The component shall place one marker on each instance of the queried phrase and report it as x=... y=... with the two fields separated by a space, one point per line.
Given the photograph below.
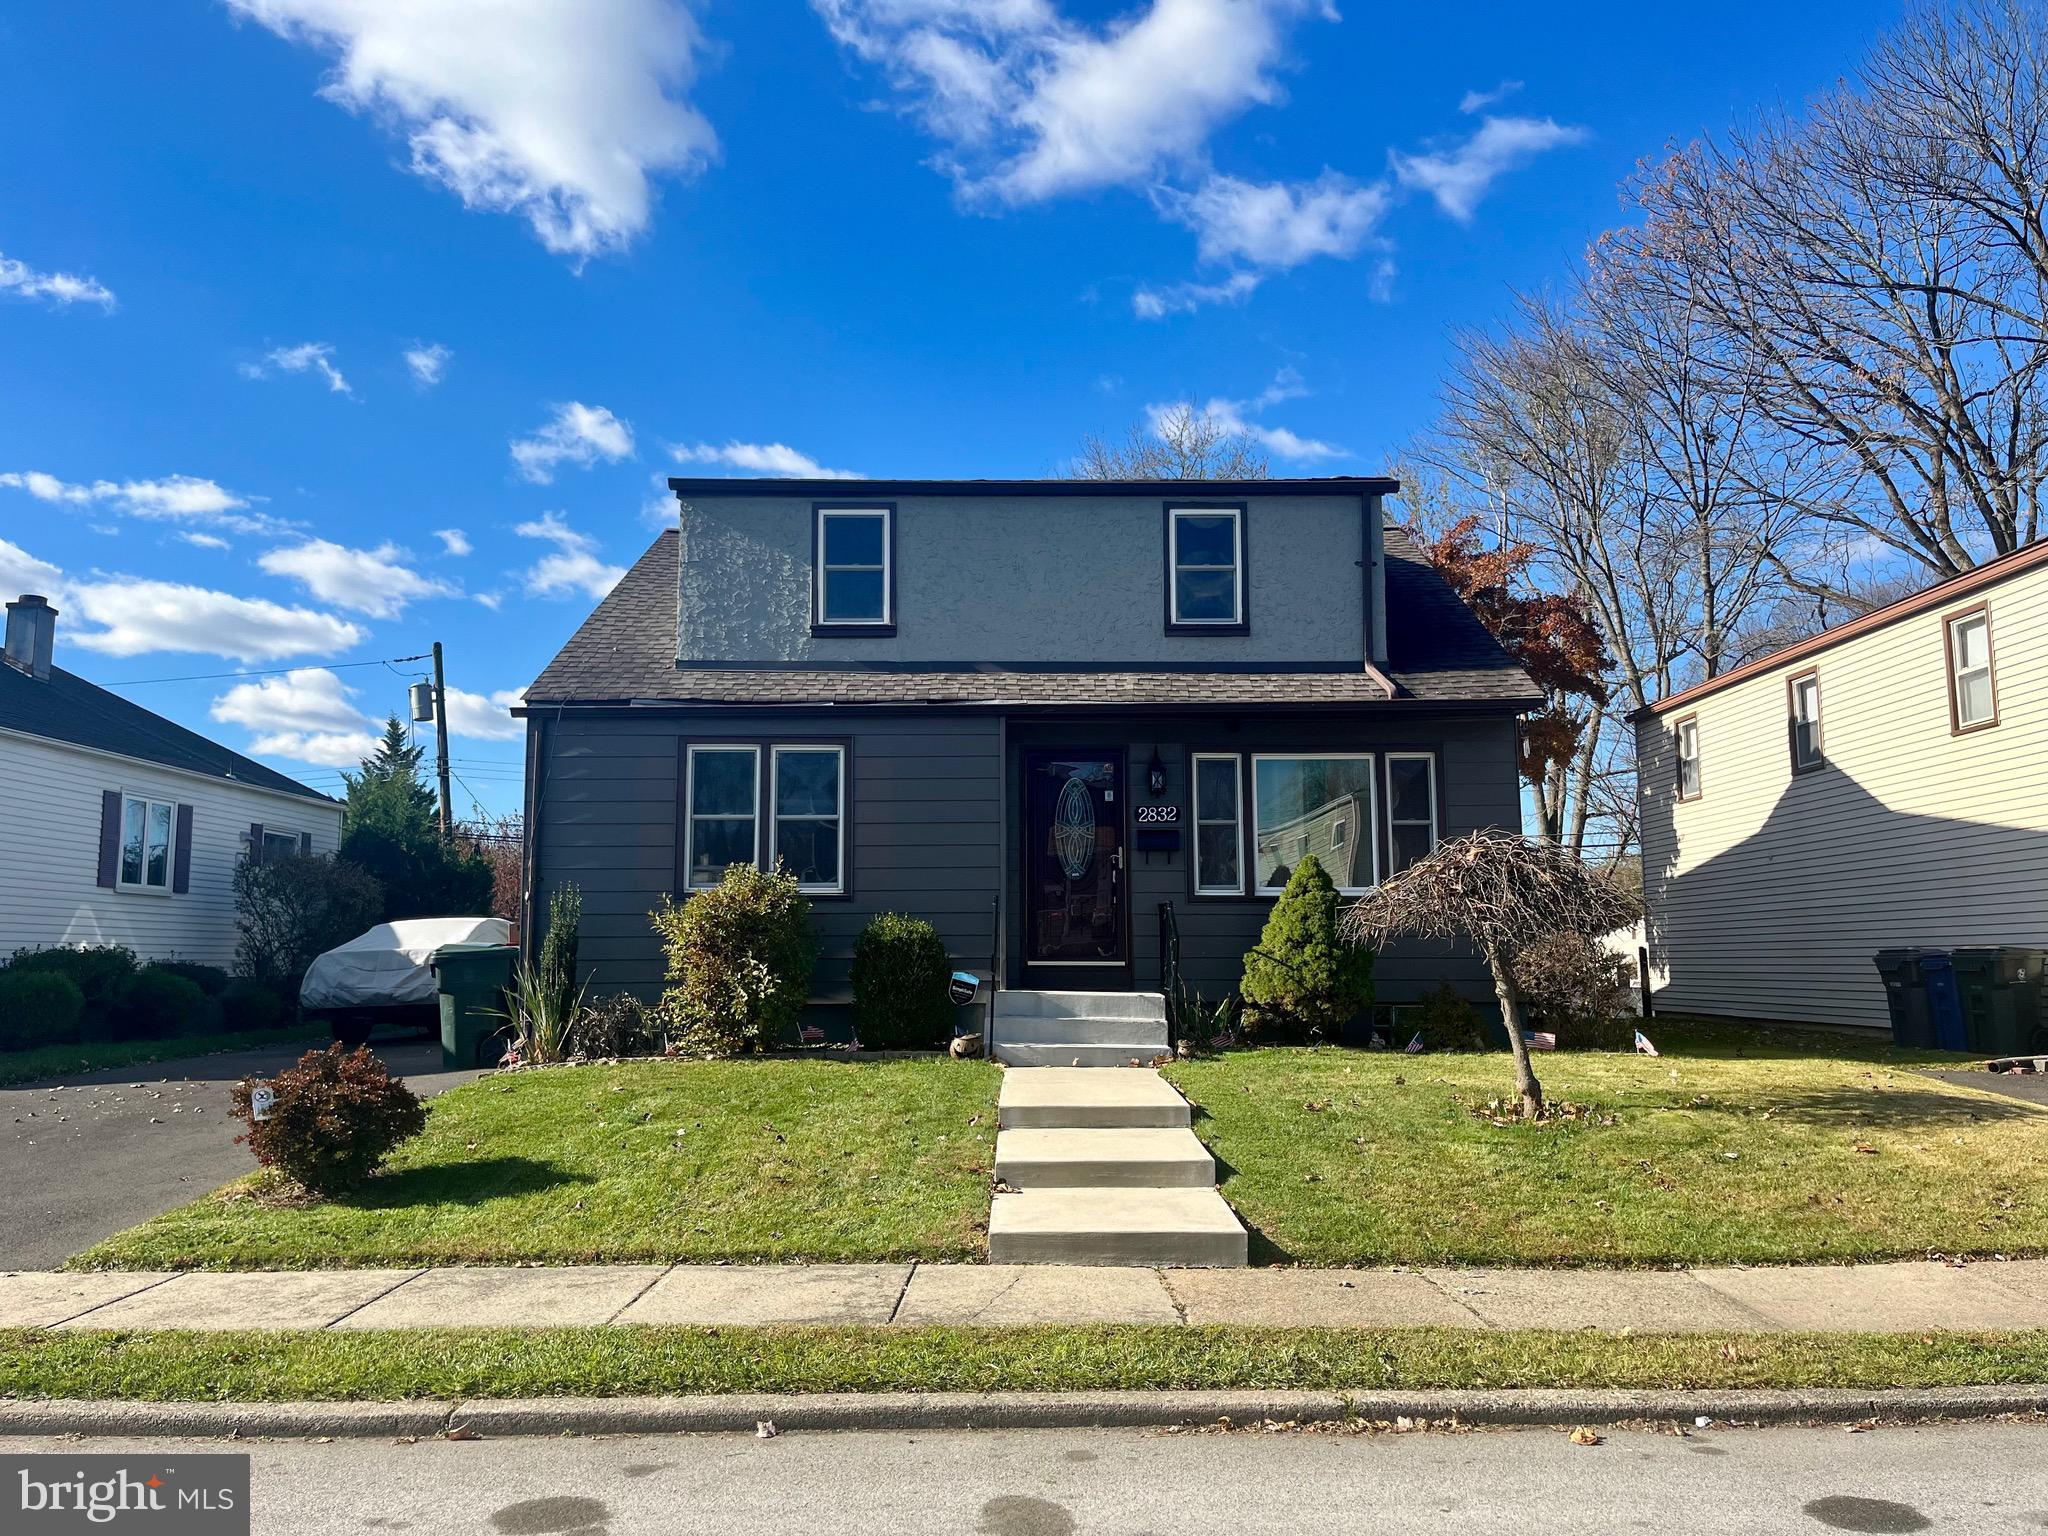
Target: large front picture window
x=723 y=793
x=1304 y=805
x=809 y=791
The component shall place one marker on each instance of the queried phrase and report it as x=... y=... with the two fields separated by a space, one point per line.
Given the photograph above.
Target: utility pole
x=441 y=742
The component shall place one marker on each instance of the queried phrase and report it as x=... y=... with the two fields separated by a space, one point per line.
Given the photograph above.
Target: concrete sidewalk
x=1868 y=1298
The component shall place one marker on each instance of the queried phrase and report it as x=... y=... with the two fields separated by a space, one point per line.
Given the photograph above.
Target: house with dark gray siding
x=1066 y=721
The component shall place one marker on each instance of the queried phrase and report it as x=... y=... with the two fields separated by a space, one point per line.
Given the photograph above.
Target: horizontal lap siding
x=922 y=838
x=1770 y=894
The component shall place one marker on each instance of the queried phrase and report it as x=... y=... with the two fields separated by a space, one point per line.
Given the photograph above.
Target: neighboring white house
x=119 y=827
x=1884 y=784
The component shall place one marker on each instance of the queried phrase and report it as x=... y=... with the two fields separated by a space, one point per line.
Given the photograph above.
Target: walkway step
x=1087 y=1098
x=1122 y=1053
x=1154 y=1158
x=1045 y=1029
x=1092 y=1005
x=1178 y=1228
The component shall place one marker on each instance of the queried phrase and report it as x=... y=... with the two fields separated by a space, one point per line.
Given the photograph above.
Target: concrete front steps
x=1078 y=1029
x=1099 y=1166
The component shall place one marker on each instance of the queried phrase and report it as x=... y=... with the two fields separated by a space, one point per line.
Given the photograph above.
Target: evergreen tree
x=1305 y=980
x=389 y=827
x=389 y=795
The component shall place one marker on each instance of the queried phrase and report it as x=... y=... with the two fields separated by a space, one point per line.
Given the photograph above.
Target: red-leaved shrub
x=334 y=1118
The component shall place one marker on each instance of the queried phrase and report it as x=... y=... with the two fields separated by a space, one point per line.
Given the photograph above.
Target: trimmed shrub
x=289 y=910
x=1447 y=1021
x=739 y=958
x=1577 y=988
x=1304 y=981
x=335 y=1117
x=99 y=971
x=210 y=979
x=247 y=1005
x=620 y=1025
x=157 y=1004
x=38 y=1008
x=900 y=972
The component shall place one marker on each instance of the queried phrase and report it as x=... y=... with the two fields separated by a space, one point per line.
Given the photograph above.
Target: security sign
x=262 y=1099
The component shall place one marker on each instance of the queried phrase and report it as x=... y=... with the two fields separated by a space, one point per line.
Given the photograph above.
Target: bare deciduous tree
x=1181 y=443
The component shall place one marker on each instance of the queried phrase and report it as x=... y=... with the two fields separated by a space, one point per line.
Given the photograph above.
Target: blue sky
x=288 y=288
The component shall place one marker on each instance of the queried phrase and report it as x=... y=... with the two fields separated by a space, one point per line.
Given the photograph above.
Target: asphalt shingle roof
x=65 y=707
x=625 y=651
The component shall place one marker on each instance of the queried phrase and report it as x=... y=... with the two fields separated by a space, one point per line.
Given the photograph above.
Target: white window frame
x=1235 y=822
x=887 y=517
x=776 y=818
x=1236 y=567
x=143 y=886
x=1957 y=672
x=1370 y=818
x=1428 y=760
x=1808 y=762
x=690 y=817
x=1680 y=757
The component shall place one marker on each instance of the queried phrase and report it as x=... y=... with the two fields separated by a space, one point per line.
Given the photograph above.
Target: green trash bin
x=2001 y=989
x=472 y=979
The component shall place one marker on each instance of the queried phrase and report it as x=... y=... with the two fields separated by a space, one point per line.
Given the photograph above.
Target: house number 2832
x=1158 y=815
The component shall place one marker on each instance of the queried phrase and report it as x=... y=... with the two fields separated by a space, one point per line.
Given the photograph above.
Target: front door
x=1074 y=861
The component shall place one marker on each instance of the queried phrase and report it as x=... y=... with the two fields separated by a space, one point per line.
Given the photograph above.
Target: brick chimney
x=31 y=634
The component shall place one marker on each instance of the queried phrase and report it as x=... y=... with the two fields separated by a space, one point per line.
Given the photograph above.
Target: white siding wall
x=50 y=840
x=1769 y=894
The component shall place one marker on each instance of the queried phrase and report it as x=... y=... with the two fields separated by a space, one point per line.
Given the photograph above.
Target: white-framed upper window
x=807 y=788
x=1803 y=695
x=1973 y=691
x=1411 y=808
x=722 y=806
x=855 y=585
x=1685 y=742
x=146 y=844
x=1205 y=566
x=1298 y=802
x=1219 y=824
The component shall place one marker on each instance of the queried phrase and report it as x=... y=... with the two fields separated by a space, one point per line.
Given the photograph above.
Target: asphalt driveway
x=90 y=1154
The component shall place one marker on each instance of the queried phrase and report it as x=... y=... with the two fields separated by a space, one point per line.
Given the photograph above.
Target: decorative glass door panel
x=1074 y=859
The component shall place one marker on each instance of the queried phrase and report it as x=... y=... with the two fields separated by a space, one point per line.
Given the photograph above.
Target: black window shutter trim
x=255 y=842
x=181 y=857
x=305 y=845
x=110 y=838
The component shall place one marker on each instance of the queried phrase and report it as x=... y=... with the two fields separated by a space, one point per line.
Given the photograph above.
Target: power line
x=207 y=677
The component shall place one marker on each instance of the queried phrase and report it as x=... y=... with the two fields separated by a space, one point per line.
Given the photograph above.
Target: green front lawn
x=41 y=1061
x=598 y=1362
x=638 y=1161
x=1736 y=1146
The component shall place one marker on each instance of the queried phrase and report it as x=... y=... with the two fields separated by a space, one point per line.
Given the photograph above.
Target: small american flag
x=1643 y=1046
x=810 y=1034
x=1539 y=1040
x=1415 y=1045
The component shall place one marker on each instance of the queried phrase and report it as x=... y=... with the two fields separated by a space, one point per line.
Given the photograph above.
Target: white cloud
x=1240 y=416
x=326 y=749
x=557 y=113
x=774 y=459
x=175 y=497
x=427 y=363
x=578 y=434
x=377 y=581
x=453 y=541
x=138 y=616
x=491 y=600
x=305 y=699
x=1180 y=298
x=1032 y=105
x=1277 y=225
x=22 y=572
x=1458 y=178
x=1479 y=101
x=573 y=567
x=306 y=357
x=203 y=540
x=484 y=717
x=61 y=288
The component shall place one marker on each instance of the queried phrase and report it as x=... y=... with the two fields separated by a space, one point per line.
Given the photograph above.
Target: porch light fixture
x=1155 y=774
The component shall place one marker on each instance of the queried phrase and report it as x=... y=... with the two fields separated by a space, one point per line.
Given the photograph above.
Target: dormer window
x=1205 y=586
x=853 y=573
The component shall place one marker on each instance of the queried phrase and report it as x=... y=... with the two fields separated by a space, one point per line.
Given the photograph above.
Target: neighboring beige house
x=1883 y=784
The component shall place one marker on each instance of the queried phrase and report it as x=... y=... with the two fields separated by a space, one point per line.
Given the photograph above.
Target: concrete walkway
x=1869 y=1298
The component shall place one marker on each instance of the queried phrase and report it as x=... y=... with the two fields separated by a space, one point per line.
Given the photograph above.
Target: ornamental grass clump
x=739 y=962
x=333 y=1119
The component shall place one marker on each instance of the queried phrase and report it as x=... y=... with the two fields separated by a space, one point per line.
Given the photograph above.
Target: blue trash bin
x=1944 y=1000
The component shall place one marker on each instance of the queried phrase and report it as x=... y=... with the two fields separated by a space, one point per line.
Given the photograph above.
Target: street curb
x=913 y=1411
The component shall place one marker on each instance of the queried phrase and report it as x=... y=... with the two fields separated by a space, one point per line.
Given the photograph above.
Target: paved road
x=1963 y=1479
x=88 y=1155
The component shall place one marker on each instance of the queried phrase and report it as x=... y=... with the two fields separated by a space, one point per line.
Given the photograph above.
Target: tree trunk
x=1526 y=1087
